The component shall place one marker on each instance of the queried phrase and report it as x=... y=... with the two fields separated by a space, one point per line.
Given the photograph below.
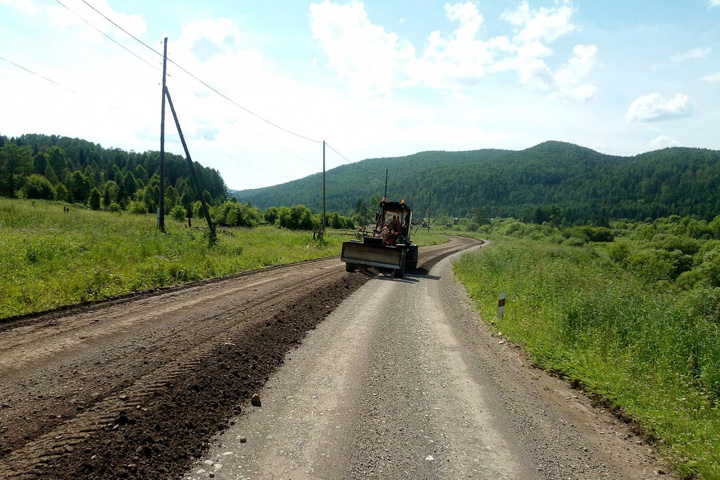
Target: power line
x=121 y=28
x=351 y=162
x=37 y=74
x=202 y=82
x=106 y=35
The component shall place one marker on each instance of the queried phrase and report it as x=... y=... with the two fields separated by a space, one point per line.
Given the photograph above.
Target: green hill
x=70 y=169
x=586 y=185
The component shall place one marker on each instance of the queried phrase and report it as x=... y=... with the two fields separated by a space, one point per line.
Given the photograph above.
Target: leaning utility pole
x=161 y=208
x=324 y=215
x=206 y=211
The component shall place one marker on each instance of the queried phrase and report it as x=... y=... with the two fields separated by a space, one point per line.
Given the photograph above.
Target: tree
x=58 y=162
x=40 y=163
x=80 y=187
x=95 y=199
x=171 y=198
x=109 y=193
x=480 y=216
x=39 y=187
x=61 y=192
x=270 y=214
x=178 y=213
x=127 y=188
x=15 y=164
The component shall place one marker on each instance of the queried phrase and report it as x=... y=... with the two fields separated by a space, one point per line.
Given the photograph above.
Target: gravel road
x=403 y=381
x=136 y=387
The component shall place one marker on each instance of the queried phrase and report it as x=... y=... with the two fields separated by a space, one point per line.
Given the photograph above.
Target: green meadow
x=50 y=258
x=647 y=346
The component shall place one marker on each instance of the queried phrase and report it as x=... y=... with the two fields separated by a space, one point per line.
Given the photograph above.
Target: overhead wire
x=37 y=74
x=106 y=35
x=355 y=164
x=199 y=80
x=202 y=82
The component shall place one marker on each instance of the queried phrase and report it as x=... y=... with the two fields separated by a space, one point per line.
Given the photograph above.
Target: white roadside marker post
x=501 y=306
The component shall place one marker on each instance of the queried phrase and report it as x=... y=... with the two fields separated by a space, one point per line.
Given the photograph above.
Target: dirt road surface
x=397 y=379
x=134 y=388
x=403 y=381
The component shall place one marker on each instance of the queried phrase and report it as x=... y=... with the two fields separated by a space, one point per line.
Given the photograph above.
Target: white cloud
x=655 y=108
x=714 y=3
x=374 y=60
x=459 y=59
x=371 y=58
x=713 y=78
x=545 y=24
x=662 y=141
x=74 y=11
x=569 y=78
x=700 y=52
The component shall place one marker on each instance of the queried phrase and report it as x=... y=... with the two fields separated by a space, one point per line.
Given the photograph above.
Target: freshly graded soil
x=137 y=387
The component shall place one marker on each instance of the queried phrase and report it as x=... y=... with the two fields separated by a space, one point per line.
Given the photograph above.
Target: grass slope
x=650 y=351
x=50 y=258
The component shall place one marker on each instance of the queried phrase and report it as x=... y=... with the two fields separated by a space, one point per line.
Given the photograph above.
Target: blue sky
x=374 y=79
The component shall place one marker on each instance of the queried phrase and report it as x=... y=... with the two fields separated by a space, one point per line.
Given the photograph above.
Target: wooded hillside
x=78 y=171
x=586 y=185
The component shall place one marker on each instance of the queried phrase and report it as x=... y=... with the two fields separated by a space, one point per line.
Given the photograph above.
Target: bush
x=137 y=207
x=619 y=252
x=298 y=217
x=178 y=213
x=115 y=207
x=270 y=215
x=654 y=265
x=37 y=186
x=233 y=214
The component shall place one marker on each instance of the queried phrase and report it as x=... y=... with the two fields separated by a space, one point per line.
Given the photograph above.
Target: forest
x=51 y=167
x=583 y=185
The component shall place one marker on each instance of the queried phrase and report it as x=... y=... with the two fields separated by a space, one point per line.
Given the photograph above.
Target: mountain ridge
x=587 y=185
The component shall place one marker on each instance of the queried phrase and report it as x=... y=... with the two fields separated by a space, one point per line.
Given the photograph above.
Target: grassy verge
x=649 y=351
x=51 y=258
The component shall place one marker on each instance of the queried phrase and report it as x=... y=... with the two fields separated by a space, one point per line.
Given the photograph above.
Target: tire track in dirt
x=159 y=418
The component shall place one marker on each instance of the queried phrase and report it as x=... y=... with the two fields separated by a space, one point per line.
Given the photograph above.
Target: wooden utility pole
x=428 y=210
x=386 y=175
x=161 y=207
x=324 y=223
x=206 y=211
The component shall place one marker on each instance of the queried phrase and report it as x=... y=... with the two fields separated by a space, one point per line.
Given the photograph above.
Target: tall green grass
x=651 y=352
x=49 y=258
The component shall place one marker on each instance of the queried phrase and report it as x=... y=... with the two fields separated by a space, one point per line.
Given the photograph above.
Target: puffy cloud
x=378 y=61
x=700 y=52
x=713 y=78
x=655 y=108
x=370 y=57
x=714 y=3
x=569 y=78
x=461 y=58
x=545 y=24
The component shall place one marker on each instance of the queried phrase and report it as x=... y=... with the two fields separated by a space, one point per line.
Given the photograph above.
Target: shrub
x=234 y=214
x=37 y=186
x=619 y=252
x=178 y=213
x=137 y=207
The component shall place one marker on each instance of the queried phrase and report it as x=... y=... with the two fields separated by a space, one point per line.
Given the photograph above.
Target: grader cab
x=388 y=245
